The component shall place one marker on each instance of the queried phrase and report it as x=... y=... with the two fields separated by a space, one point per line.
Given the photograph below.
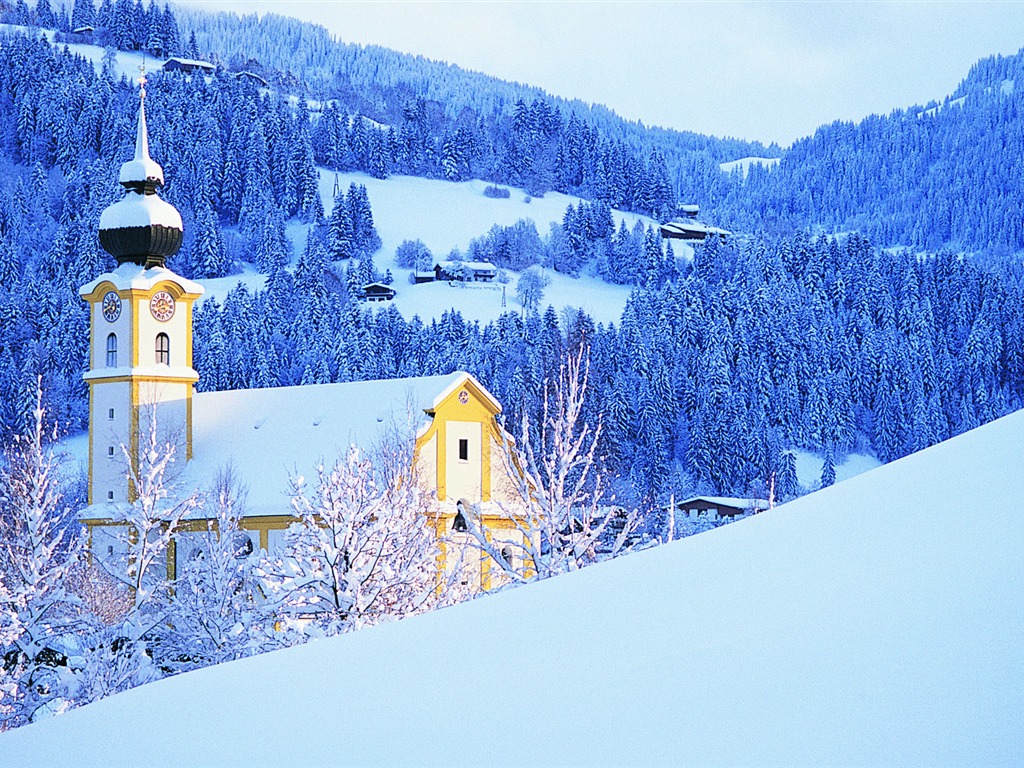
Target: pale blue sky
x=772 y=71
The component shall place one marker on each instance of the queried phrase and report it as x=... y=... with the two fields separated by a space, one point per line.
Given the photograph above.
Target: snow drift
x=875 y=622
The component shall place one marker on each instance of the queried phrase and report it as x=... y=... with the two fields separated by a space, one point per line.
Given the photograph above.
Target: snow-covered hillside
x=446 y=215
x=744 y=164
x=875 y=622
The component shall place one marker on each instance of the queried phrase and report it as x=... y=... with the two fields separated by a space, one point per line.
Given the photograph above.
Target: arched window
x=163 y=349
x=459 y=523
x=112 y=351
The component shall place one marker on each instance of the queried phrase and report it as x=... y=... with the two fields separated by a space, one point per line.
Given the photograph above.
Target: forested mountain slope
x=695 y=395
x=945 y=175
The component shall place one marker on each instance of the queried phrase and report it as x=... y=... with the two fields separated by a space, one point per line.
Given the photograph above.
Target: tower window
x=110 y=495
x=110 y=450
x=163 y=349
x=110 y=414
x=112 y=351
x=463 y=450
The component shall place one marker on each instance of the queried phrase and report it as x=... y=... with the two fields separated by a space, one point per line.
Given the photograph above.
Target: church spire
x=142 y=173
x=141 y=228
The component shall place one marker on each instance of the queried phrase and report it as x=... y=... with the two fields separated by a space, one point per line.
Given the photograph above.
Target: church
x=141 y=383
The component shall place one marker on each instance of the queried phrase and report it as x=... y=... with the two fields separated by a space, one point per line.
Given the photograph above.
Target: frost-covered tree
x=40 y=545
x=530 y=288
x=138 y=544
x=360 y=553
x=413 y=254
x=218 y=612
x=559 y=483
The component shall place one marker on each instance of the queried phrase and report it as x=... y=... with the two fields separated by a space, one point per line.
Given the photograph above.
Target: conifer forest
x=871 y=299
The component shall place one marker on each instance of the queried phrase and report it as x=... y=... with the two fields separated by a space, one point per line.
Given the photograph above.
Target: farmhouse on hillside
x=141 y=380
x=686 y=226
x=468 y=271
x=177 y=64
x=376 y=292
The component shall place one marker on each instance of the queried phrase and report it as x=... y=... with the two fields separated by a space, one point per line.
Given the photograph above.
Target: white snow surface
x=744 y=164
x=876 y=622
x=135 y=210
x=446 y=215
x=809 y=466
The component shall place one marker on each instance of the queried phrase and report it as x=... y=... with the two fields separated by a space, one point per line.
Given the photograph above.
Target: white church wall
x=110 y=421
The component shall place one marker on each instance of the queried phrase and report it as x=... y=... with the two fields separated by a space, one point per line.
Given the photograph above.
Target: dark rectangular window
x=463 y=450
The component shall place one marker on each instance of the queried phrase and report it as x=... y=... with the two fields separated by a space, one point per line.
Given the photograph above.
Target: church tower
x=140 y=339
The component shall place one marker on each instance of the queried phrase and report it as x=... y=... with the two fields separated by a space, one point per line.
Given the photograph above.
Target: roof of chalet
x=477 y=266
x=270 y=435
x=379 y=285
x=251 y=75
x=197 y=63
x=692 y=227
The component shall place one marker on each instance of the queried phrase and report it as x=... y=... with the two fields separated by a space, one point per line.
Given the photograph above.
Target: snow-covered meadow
x=876 y=622
x=446 y=215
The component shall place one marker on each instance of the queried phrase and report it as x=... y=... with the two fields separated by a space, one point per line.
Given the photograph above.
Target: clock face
x=161 y=306
x=464 y=397
x=111 y=307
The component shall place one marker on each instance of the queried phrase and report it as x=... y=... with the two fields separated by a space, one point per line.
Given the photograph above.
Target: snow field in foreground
x=875 y=622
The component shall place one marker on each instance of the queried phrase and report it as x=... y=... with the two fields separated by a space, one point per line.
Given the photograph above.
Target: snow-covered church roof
x=270 y=435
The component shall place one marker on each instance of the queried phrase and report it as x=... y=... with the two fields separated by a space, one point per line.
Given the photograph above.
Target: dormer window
x=163 y=349
x=112 y=351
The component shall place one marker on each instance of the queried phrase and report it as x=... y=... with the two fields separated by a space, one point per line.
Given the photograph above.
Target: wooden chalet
x=247 y=75
x=719 y=507
x=679 y=229
x=471 y=271
x=377 y=292
x=176 y=64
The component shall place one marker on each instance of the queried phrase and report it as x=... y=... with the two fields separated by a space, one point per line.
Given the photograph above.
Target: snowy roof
x=478 y=266
x=190 y=62
x=134 y=277
x=135 y=210
x=693 y=227
x=252 y=75
x=272 y=434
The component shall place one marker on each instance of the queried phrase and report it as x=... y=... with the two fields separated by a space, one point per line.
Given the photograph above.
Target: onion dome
x=141 y=228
